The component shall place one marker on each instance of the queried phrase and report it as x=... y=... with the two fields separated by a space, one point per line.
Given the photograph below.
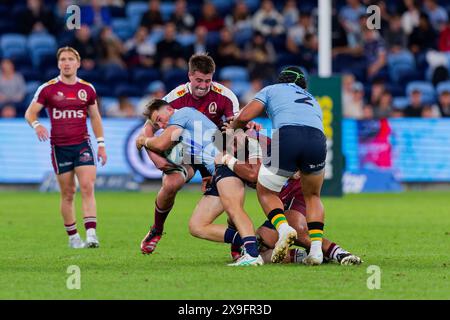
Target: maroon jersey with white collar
x=67 y=106
x=218 y=104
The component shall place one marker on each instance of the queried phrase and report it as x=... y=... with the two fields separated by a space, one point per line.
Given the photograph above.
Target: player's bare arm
x=31 y=115
x=97 y=127
x=161 y=143
x=160 y=162
x=252 y=110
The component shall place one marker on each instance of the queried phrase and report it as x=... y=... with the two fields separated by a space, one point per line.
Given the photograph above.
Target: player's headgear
x=292 y=75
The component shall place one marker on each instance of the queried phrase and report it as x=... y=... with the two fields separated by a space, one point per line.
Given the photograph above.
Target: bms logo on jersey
x=139 y=161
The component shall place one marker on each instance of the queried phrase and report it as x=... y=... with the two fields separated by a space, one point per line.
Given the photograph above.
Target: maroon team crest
x=212 y=108
x=82 y=95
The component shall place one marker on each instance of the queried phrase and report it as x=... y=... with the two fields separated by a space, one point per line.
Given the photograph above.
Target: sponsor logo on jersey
x=67 y=114
x=212 y=108
x=181 y=92
x=59 y=96
x=82 y=95
x=71 y=96
x=216 y=89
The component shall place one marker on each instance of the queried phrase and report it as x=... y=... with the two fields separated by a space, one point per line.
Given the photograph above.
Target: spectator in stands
x=384 y=107
x=261 y=57
x=152 y=18
x=122 y=109
x=396 y=39
x=354 y=108
x=183 y=20
x=228 y=53
x=414 y=109
x=423 y=37
x=210 y=19
x=8 y=111
x=96 y=15
x=169 y=51
x=308 y=52
x=12 y=85
x=290 y=13
x=85 y=45
x=348 y=80
x=375 y=52
x=443 y=104
x=296 y=34
x=268 y=21
x=350 y=18
x=36 y=18
x=444 y=38
x=155 y=90
x=367 y=112
x=111 y=48
x=376 y=91
x=428 y=111
x=256 y=84
x=139 y=51
x=240 y=19
x=437 y=14
x=410 y=18
x=200 y=45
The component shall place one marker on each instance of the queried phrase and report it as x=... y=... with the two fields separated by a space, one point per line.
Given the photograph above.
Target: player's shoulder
x=177 y=93
x=47 y=85
x=222 y=90
x=84 y=83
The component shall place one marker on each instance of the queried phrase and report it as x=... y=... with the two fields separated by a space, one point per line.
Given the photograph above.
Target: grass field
x=407 y=235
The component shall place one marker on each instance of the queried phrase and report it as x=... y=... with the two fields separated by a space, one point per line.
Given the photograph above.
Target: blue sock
x=250 y=245
x=233 y=237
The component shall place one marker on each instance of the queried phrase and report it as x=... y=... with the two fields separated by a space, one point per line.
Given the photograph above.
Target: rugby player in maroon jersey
x=214 y=100
x=68 y=101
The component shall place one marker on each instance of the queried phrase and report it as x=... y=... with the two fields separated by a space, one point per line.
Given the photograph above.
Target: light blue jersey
x=197 y=137
x=287 y=104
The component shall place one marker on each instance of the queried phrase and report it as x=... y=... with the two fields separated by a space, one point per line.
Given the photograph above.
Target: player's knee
x=87 y=188
x=68 y=194
x=171 y=188
x=196 y=229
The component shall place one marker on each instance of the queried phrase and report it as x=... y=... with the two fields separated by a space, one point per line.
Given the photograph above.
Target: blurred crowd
x=134 y=50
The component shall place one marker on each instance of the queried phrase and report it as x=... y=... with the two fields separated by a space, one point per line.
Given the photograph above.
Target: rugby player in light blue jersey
x=199 y=137
x=298 y=143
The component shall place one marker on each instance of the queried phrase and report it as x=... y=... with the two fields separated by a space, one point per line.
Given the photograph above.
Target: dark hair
x=292 y=75
x=201 y=62
x=152 y=106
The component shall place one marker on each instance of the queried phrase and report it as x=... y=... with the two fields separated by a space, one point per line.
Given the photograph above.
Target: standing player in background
x=212 y=99
x=298 y=143
x=68 y=101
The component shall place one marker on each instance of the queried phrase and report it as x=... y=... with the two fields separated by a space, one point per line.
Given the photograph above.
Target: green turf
x=407 y=235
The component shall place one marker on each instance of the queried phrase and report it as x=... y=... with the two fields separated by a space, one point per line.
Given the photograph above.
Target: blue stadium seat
x=426 y=88
x=443 y=86
x=174 y=77
x=252 y=5
x=166 y=9
x=240 y=88
x=143 y=76
x=186 y=39
x=122 y=28
x=234 y=73
x=400 y=102
x=113 y=74
x=134 y=12
x=400 y=65
x=12 y=44
x=29 y=73
x=212 y=38
x=155 y=36
x=31 y=88
x=40 y=45
x=126 y=90
x=243 y=36
x=89 y=75
x=223 y=6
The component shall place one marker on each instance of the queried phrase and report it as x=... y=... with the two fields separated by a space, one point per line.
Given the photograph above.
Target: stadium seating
x=122 y=28
x=426 y=88
x=143 y=76
x=40 y=45
x=400 y=102
x=443 y=86
x=240 y=88
x=134 y=12
x=400 y=65
x=13 y=44
x=234 y=73
x=174 y=77
x=167 y=8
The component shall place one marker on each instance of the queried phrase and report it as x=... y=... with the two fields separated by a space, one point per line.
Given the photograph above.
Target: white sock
x=283 y=228
x=90 y=232
x=74 y=236
x=316 y=247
